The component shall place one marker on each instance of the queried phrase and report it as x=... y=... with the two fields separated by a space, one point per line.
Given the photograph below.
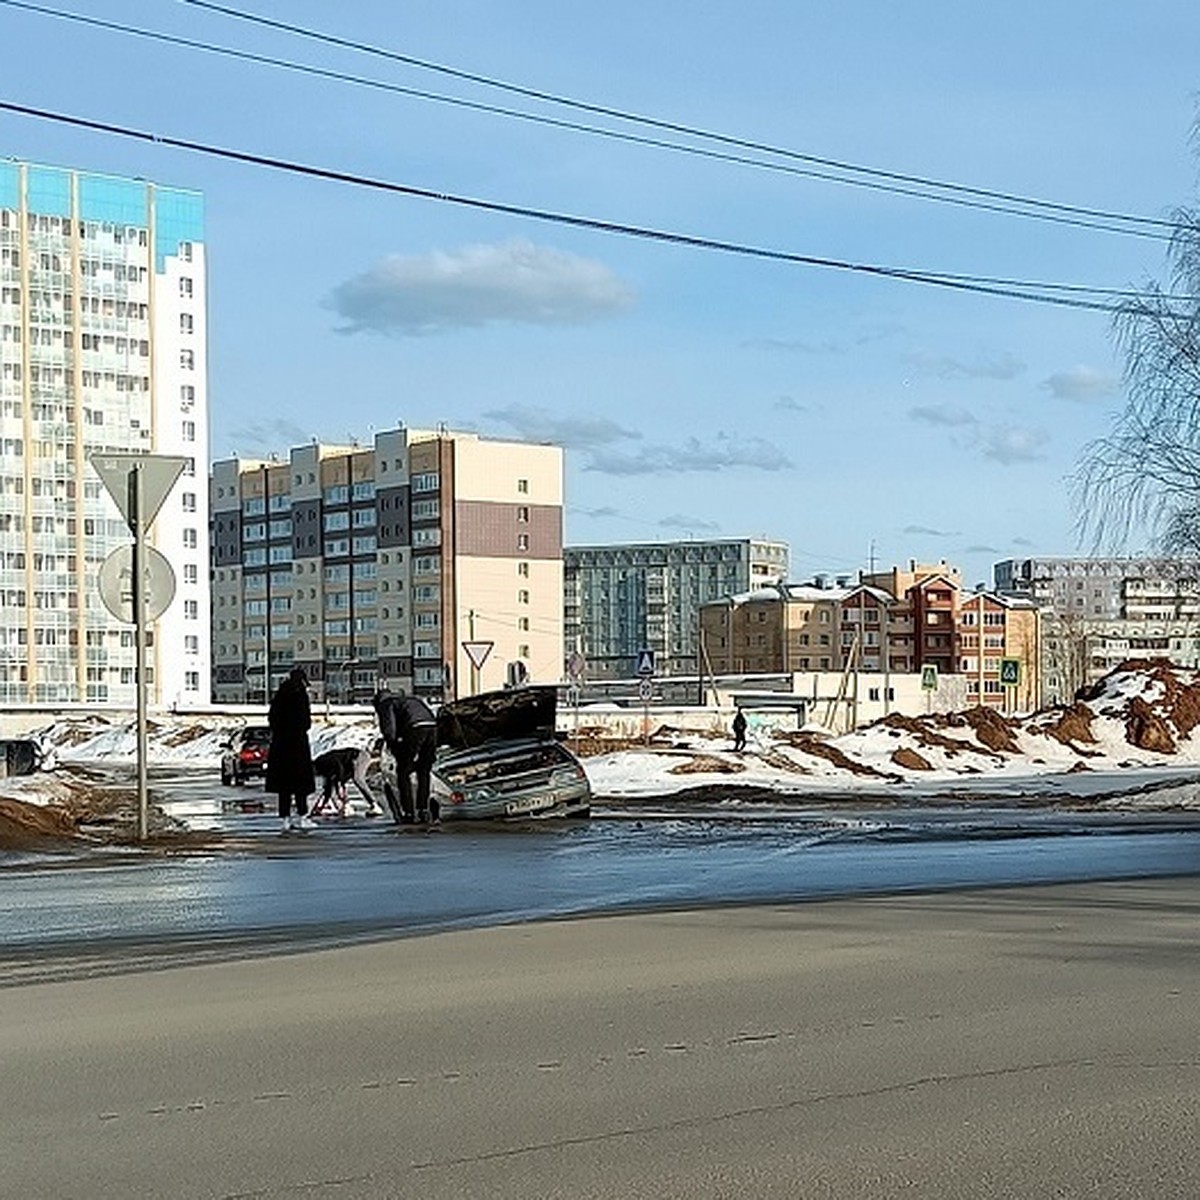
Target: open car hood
x=527 y=712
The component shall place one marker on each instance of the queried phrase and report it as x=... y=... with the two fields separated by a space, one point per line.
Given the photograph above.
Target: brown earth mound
x=992 y=729
x=921 y=729
x=910 y=759
x=1146 y=730
x=812 y=744
x=25 y=826
x=706 y=764
x=1073 y=725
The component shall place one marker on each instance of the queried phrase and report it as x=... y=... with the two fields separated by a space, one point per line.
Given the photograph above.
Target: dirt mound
x=1146 y=729
x=992 y=729
x=25 y=826
x=706 y=764
x=923 y=729
x=812 y=744
x=907 y=757
x=1074 y=724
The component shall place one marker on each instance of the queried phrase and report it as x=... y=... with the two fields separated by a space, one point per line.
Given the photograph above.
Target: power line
x=959 y=196
x=1009 y=289
x=658 y=123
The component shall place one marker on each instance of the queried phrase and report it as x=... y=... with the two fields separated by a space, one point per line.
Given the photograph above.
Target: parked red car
x=245 y=755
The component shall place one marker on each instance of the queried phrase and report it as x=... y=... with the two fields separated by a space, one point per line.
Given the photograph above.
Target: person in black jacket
x=409 y=728
x=289 y=761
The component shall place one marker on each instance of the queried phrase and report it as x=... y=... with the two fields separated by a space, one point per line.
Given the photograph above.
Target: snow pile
x=1138 y=721
x=1142 y=716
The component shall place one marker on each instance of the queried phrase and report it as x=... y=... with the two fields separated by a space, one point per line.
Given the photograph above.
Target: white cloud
x=927 y=532
x=1009 y=444
x=942 y=414
x=789 y=404
x=996 y=366
x=1081 y=384
x=577 y=433
x=274 y=435
x=691 y=524
x=515 y=281
x=692 y=455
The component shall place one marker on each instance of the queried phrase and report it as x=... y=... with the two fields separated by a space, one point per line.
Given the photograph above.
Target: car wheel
x=239 y=779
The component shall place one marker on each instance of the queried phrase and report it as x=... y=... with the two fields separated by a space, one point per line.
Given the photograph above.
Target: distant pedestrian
x=739 y=730
x=289 y=761
x=409 y=730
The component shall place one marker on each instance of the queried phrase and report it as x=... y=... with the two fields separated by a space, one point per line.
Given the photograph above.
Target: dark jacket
x=289 y=763
x=400 y=715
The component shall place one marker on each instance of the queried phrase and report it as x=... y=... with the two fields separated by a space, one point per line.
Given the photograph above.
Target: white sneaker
x=305 y=823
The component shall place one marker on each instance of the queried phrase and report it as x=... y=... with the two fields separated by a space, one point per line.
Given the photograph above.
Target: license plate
x=533 y=804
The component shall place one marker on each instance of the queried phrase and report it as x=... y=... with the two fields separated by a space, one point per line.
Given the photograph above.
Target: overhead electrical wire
x=826 y=170
x=1035 y=292
x=654 y=122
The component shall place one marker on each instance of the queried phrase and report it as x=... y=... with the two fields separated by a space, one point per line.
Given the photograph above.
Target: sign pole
x=139 y=641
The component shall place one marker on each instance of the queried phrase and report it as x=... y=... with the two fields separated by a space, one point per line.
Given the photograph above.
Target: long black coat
x=289 y=762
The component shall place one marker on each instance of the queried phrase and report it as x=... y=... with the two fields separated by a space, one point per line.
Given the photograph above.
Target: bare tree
x=1145 y=474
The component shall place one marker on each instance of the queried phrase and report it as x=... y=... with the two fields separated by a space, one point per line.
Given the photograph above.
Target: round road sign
x=645 y=689
x=116 y=583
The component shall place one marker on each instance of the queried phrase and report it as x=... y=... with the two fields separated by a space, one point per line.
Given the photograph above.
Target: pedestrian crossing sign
x=645 y=662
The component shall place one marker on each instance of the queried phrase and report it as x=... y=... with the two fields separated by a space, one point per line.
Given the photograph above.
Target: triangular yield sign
x=477 y=652
x=159 y=473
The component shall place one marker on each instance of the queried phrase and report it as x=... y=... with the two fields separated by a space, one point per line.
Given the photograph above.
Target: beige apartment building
x=430 y=560
x=928 y=622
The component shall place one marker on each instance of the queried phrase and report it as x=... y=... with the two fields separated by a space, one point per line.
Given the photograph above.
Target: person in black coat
x=739 y=731
x=289 y=761
x=409 y=728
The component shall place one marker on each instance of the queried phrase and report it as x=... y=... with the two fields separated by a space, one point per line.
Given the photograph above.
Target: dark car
x=245 y=755
x=499 y=757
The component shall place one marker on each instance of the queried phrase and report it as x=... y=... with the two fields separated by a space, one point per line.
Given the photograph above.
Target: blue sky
x=697 y=393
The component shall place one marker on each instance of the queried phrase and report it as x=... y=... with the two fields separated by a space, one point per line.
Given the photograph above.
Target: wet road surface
x=363 y=878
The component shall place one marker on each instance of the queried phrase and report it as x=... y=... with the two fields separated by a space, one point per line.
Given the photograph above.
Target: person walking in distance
x=739 y=731
x=289 y=760
x=409 y=728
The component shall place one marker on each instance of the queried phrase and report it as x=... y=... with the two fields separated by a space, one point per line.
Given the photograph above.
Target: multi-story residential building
x=1099 y=612
x=622 y=599
x=799 y=629
x=430 y=560
x=102 y=348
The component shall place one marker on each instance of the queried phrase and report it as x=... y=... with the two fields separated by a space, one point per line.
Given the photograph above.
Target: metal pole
x=139 y=640
x=474 y=668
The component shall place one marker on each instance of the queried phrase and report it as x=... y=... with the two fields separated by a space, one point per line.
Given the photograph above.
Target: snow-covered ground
x=1132 y=741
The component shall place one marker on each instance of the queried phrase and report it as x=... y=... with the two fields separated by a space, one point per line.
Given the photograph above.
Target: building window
x=189 y=539
x=522 y=541
x=187 y=359
x=522 y=597
x=186 y=323
x=523 y=486
x=523 y=514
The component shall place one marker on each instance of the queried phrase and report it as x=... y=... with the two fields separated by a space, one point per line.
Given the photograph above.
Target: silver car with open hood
x=499 y=757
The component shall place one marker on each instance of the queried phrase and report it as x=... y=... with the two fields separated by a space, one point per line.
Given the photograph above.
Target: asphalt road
x=1027 y=1043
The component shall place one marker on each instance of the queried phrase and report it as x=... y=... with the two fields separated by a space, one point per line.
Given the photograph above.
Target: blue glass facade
x=178 y=215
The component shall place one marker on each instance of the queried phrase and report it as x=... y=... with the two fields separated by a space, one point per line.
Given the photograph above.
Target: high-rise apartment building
x=622 y=599
x=429 y=560
x=1100 y=612
x=102 y=348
